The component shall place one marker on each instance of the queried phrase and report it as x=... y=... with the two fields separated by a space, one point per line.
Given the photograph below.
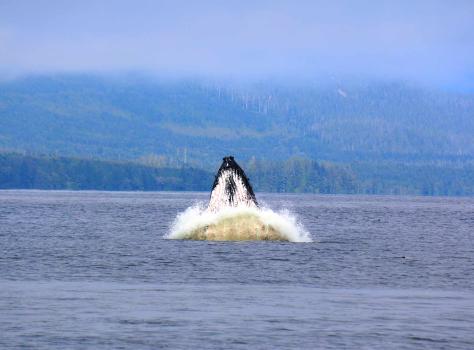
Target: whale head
x=231 y=187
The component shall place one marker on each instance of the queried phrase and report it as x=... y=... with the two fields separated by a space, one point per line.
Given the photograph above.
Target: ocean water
x=92 y=270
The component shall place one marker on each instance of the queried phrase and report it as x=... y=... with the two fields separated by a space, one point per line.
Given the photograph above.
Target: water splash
x=237 y=224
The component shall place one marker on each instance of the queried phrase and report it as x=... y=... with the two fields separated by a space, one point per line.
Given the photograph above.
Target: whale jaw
x=231 y=188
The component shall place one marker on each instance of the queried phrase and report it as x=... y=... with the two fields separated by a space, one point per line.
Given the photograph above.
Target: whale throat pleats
x=231 y=187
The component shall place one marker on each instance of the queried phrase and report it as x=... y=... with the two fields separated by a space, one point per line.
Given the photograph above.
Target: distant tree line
x=300 y=175
x=20 y=171
x=29 y=172
x=47 y=172
x=429 y=179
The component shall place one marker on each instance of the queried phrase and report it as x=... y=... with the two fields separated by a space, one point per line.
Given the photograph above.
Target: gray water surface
x=92 y=270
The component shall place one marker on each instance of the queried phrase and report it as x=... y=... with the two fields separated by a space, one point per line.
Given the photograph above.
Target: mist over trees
x=130 y=117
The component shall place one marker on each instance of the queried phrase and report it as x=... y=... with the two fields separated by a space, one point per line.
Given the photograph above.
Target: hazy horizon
x=428 y=42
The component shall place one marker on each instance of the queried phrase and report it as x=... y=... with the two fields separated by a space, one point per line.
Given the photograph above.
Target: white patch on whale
x=223 y=196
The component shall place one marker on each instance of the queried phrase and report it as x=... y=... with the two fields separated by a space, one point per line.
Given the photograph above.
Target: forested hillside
x=199 y=122
x=152 y=134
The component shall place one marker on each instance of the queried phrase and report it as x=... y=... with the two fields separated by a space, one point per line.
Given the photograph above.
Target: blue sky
x=426 y=41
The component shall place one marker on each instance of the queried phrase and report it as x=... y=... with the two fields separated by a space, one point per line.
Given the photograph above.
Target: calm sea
x=92 y=270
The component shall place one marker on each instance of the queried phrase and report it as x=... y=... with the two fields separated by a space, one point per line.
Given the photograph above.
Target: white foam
x=197 y=217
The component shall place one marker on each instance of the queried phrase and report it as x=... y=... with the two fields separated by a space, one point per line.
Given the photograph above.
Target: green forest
x=20 y=171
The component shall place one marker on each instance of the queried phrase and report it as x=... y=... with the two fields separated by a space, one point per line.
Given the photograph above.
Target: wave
x=237 y=224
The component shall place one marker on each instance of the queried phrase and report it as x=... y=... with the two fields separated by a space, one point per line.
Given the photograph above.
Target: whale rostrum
x=231 y=187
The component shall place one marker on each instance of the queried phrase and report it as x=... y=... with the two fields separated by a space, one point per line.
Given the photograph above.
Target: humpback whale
x=233 y=214
x=231 y=187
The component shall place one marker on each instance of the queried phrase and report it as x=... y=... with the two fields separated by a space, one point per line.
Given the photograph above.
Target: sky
x=426 y=41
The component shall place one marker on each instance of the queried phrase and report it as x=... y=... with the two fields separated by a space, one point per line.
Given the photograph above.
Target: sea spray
x=237 y=224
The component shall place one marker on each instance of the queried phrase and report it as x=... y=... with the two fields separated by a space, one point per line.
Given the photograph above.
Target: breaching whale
x=233 y=213
x=233 y=201
x=231 y=187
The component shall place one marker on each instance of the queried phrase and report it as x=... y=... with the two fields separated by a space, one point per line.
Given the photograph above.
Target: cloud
x=429 y=41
